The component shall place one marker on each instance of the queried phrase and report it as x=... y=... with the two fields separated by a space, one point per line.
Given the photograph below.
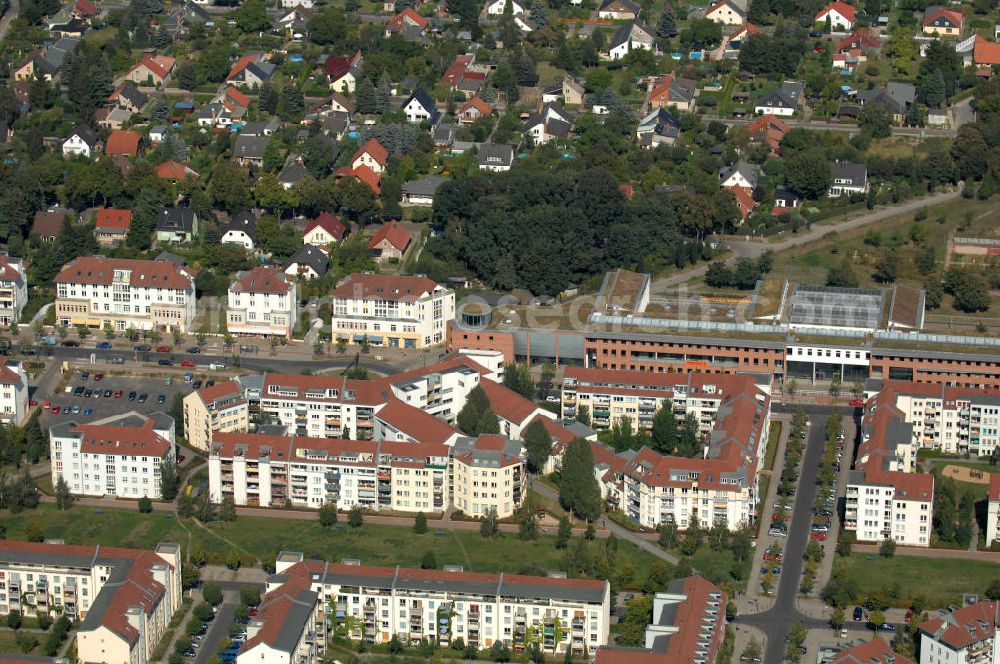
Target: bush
x=203 y=612
x=212 y=593
x=145 y=505
x=250 y=595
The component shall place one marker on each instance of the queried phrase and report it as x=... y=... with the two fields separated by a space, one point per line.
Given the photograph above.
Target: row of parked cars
x=789 y=476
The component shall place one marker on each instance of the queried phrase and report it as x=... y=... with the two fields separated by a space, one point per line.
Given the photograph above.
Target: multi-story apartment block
x=689 y=627
x=124 y=293
x=268 y=471
x=221 y=407
x=14 y=405
x=885 y=498
x=964 y=636
x=120 y=456
x=392 y=311
x=733 y=415
x=125 y=598
x=262 y=302
x=13 y=290
x=993 y=509
x=374 y=603
x=876 y=651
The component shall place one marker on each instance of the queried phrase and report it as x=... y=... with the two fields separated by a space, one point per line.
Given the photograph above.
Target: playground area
x=966 y=474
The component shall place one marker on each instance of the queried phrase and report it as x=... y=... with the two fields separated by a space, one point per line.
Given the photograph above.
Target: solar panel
x=836 y=307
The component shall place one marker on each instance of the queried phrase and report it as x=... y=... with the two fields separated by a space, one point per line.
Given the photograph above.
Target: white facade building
x=13 y=290
x=14 y=405
x=964 y=636
x=262 y=302
x=125 y=293
x=993 y=509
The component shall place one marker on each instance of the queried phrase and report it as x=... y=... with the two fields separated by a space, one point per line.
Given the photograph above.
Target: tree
x=537 y=444
x=528 y=526
x=475 y=405
x=837 y=617
x=517 y=377
x=578 y=487
x=668 y=535
x=564 y=533
x=292 y=103
x=489 y=527
x=356 y=517
x=366 y=98
x=429 y=561
x=64 y=499
x=252 y=16
x=328 y=514
x=842 y=276
x=14 y=620
x=808 y=175
x=227 y=512
x=887 y=268
x=145 y=505
x=212 y=593
x=583 y=415
x=876 y=119
x=887 y=549
x=169 y=480
x=230 y=187
x=664 y=428
x=420 y=523
x=876 y=618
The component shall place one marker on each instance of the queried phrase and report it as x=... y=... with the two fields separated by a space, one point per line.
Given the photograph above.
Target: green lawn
x=258 y=537
x=772 y=445
x=939 y=581
x=8 y=643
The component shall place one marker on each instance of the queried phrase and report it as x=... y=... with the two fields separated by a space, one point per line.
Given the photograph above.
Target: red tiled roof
x=375 y=150
x=224 y=389
x=86 y=8
x=842 y=8
x=237 y=96
x=9 y=377
x=242 y=63
x=145 y=273
x=963 y=627
x=127 y=441
x=159 y=65
x=986 y=52
x=369 y=177
x=393 y=233
x=876 y=651
x=477 y=104
x=994 y=491
x=744 y=200
x=745 y=30
x=393 y=288
x=863 y=38
x=407 y=16
x=265 y=279
x=953 y=15
x=507 y=403
x=337 y=66
x=415 y=423
x=172 y=170
x=123 y=142
x=331 y=224
x=110 y=218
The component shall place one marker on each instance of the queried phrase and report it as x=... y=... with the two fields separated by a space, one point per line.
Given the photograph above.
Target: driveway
x=218 y=629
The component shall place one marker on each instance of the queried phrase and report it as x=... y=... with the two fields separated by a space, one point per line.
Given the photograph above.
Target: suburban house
x=941 y=21
x=619 y=10
x=896 y=97
x=129 y=97
x=152 y=70
x=343 y=72
x=176 y=224
x=372 y=155
x=308 y=262
x=726 y=12
x=496 y=157
x=569 y=92
x=112 y=226
x=421 y=192
x=498 y=7
x=363 y=174
x=419 y=107
x=785 y=200
x=741 y=174
x=46 y=62
x=158 y=133
x=633 y=35
x=13 y=297
x=47 y=224
x=770 y=130
x=249 y=150
x=660 y=127
x=848 y=178
x=781 y=102
x=235 y=102
x=81 y=142
x=324 y=230
x=552 y=122
x=294 y=172
x=242 y=230
x=391 y=242
x=175 y=171
x=472 y=110
x=251 y=70
x=405 y=21
x=121 y=142
x=262 y=302
x=672 y=91
x=336 y=105
x=297 y=19
x=841 y=15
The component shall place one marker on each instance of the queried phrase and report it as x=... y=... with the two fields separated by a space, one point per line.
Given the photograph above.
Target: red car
x=163 y=349
x=818 y=536
x=253 y=613
x=856 y=402
x=118 y=394
x=187 y=363
x=98 y=378
x=32 y=403
x=55 y=410
x=46 y=404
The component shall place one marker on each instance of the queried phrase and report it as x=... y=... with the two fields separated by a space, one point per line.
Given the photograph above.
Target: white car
x=552 y=399
x=217 y=365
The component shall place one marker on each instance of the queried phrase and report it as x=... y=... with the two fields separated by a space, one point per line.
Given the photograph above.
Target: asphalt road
x=13 y=7
x=776 y=621
x=923 y=132
x=218 y=629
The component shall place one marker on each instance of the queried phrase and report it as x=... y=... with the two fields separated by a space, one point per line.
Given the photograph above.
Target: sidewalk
x=917 y=552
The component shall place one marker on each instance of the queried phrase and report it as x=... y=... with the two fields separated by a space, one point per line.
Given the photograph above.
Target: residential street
x=13 y=7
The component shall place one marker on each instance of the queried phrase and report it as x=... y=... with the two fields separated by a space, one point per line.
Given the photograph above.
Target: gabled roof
x=375 y=150
x=856 y=174
x=123 y=142
x=143 y=273
x=842 y=8
x=264 y=279
x=329 y=223
x=407 y=17
x=426 y=186
x=389 y=287
x=936 y=15
x=423 y=98
x=986 y=52
x=112 y=219
x=85 y=133
x=726 y=3
x=618 y=5
x=250 y=147
x=369 y=177
x=293 y=172
x=673 y=89
x=243 y=63
x=172 y=170
x=235 y=95
x=175 y=219
x=747 y=171
x=159 y=65
x=311 y=257
x=963 y=627
x=876 y=651
x=496 y=154
x=475 y=103
x=245 y=222
x=393 y=233
x=862 y=38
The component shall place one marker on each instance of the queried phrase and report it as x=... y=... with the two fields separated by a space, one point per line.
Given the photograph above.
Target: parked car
x=88 y=412
x=859 y=613
x=85 y=375
x=856 y=402
x=107 y=394
x=161 y=398
x=98 y=378
x=194 y=350
x=187 y=363
x=118 y=394
x=76 y=409
x=143 y=348
x=87 y=394
x=132 y=395
x=217 y=365
x=143 y=397
x=819 y=537
x=55 y=410
x=165 y=362
x=69 y=343
x=103 y=345
x=163 y=349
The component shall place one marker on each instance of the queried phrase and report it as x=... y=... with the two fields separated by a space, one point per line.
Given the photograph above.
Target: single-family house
x=408 y=19
x=122 y=142
x=391 y=242
x=628 y=37
x=619 y=10
x=81 y=142
x=308 y=262
x=841 y=15
x=158 y=133
x=782 y=102
x=443 y=135
x=726 y=12
x=421 y=192
x=895 y=97
x=129 y=97
x=372 y=155
x=769 y=130
x=176 y=224
x=296 y=21
x=324 y=230
x=152 y=70
x=293 y=173
x=344 y=71
x=336 y=105
x=498 y=7
x=241 y=230
x=420 y=107
x=848 y=178
x=659 y=127
x=251 y=70
x=496 y=157
x=47 y=224
x=671 y=90
x=785 y=200
x=175 y=171
x=941 y=21
x=472 y=110
x=741 y=174
x=46 y=62
x=745 y=202
x=249 y=150
x=111 y=226
x=112 y=118
x=551 y=122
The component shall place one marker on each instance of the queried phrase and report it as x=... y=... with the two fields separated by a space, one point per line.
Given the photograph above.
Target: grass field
x=8 y=642
x=939 y=581
x=259 y=537
x=772 y=445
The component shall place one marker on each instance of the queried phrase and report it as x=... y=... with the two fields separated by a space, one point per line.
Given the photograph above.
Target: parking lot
x=96 y=394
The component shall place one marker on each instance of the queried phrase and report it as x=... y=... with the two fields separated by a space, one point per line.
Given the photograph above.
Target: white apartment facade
x=221 y=407
x=124 y=293
x=963 y=636
x=993 y=509
x=262 y=302
x=125 y=598
x=120 y=456
x=392 y=311
x=375 y=603
x=14 y=404
x=13 y=290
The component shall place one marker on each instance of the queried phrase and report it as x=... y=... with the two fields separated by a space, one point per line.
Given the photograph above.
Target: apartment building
x=391 y=311
x=876 y=651
x=124 y=293
x=374 y=603
x=124 y=598
x=119 y=456
x=993 y=509
x=733 y=415
x=885 y=498
x=963 y=636
x=402 y=476
x=262 y=302
x=689 y=627
x=222 y=407
x=13 y=290
x=14 y=404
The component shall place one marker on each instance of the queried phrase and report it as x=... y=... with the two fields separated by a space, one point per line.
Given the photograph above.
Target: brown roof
x=48 y=223
x=963 y=627
x=507 y=403
x=994 y=491
x=329 y=223
x=110 y=218
x=415 y=423
x=123 y=142
x=393 y=288
x=129 y=441
x=375 y=149
x=219 y=390
x=393 y=233
x=145 y=273
x=876 y=651
x=172 y=170
x=264 y=279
